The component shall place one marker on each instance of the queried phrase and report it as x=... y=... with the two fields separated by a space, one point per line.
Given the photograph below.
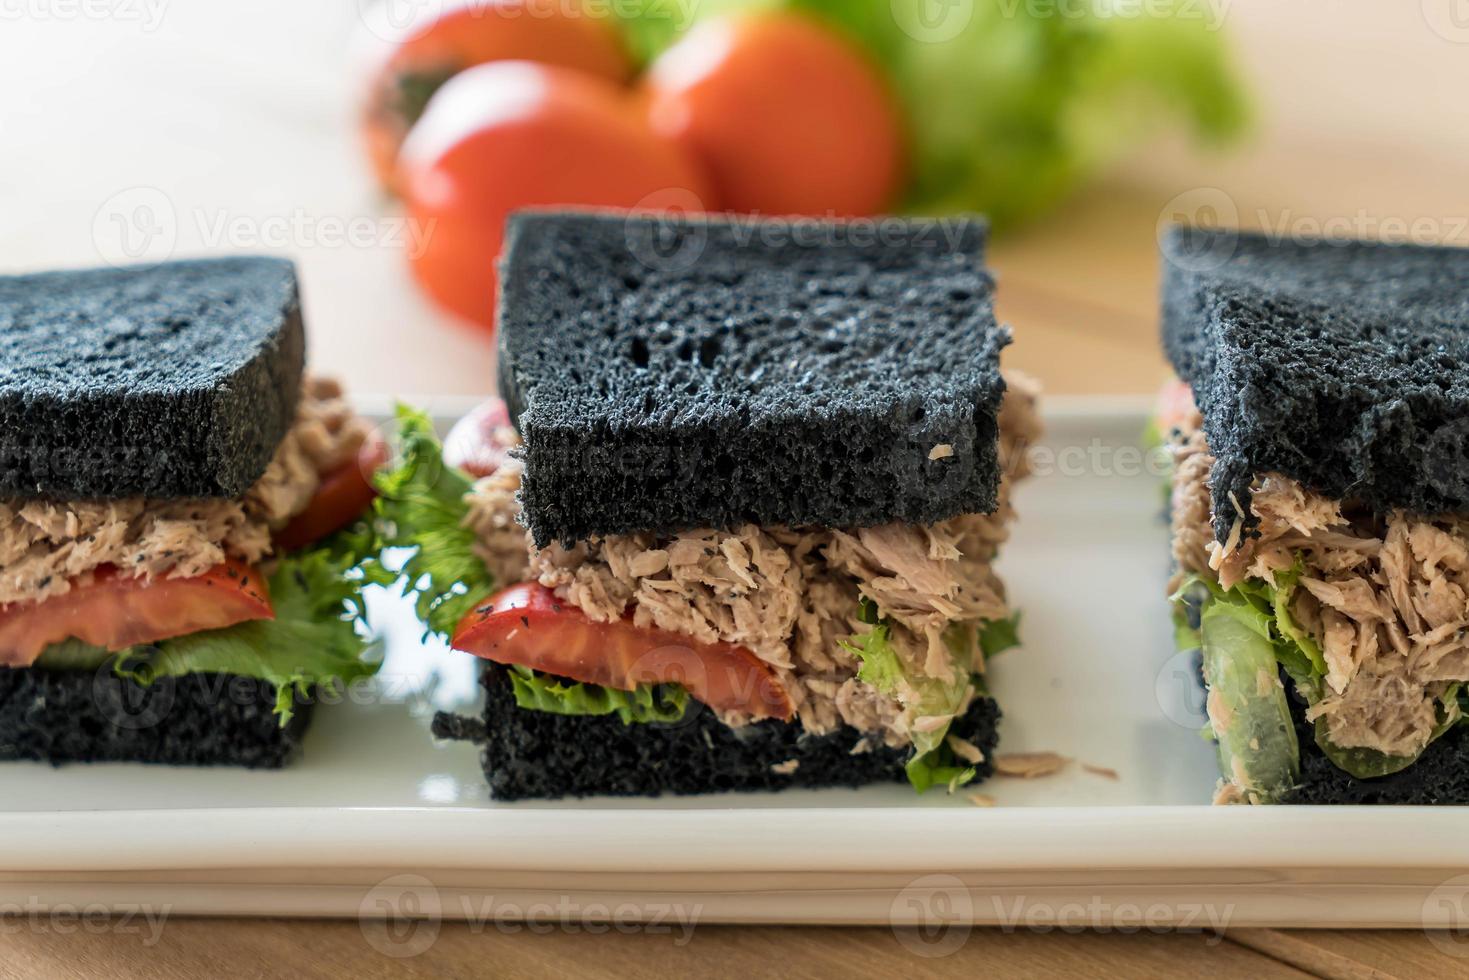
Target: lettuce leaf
x=1264 y=604
x=1009 y=106
x=315 y=640
x=421 y=507
x=1285 y=587
x=535 y=692
x=933 y=762
x=999 y=635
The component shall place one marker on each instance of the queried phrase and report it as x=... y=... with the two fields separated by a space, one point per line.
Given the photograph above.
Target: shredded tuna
x=46 y=546
x=1227 y=793
x=1030 y=765
x=1385 y=598
x=966 y=750
x=493 y=517
x=791 y=596
x=1103 y=771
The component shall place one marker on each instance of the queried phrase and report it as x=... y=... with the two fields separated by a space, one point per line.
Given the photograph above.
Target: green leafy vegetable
x=999 y=635
x=933 y=762
x=664 y=703
x=314 y=640
x=421 y=507
x=1285 y=587
x=1011 y=104
x=938 y=767
x=72 y=655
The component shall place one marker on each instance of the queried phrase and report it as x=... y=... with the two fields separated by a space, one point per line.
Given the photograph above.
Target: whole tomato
x=786 y=116
x=466 y=33
x=513 y=134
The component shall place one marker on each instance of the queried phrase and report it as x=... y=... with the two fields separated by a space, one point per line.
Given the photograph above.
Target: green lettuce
x=665 y=703
x=316 y=639
x=421 y=507
x=934 y=762
x=1010 y=105
x=1301 y=655
x=999 y=635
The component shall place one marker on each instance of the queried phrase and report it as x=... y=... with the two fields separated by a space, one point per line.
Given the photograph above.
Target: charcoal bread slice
x=674 y=373
x=1340 y=364
x=172 y=380
x=197 y=720
x=538 y=755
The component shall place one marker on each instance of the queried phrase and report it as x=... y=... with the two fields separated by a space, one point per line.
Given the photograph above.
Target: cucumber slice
x=1248 y=709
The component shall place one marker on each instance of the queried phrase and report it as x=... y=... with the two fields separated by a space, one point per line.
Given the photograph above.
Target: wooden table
x=330 y=950
x=231 y=125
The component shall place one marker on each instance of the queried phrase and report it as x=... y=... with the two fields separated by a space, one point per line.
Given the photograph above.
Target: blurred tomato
x=473 y=32
x=514 y=134
x=480 y=442
x=1175 y=406
x=787 y=117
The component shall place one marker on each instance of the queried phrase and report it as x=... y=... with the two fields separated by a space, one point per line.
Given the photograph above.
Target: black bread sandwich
x=1320 y=511
x=181 y=517
x=735 y=528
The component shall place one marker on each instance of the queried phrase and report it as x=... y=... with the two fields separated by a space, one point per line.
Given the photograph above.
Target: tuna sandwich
x=181 y=517
x=734 y=525
x=1320 y=512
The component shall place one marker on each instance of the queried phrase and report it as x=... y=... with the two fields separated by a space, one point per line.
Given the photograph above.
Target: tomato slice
x=480 y=442
x=115 y=612
x=342 y=497
x=528 y=626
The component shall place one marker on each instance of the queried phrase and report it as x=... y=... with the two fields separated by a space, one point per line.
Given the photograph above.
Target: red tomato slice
x=528 y=626
x=115 y=612
x=340 y=500
x=480 y=442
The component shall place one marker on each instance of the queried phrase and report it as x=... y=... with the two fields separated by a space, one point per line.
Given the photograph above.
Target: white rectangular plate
x=376 y=817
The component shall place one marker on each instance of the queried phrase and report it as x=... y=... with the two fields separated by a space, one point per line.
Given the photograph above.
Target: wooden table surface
x=228 y=128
